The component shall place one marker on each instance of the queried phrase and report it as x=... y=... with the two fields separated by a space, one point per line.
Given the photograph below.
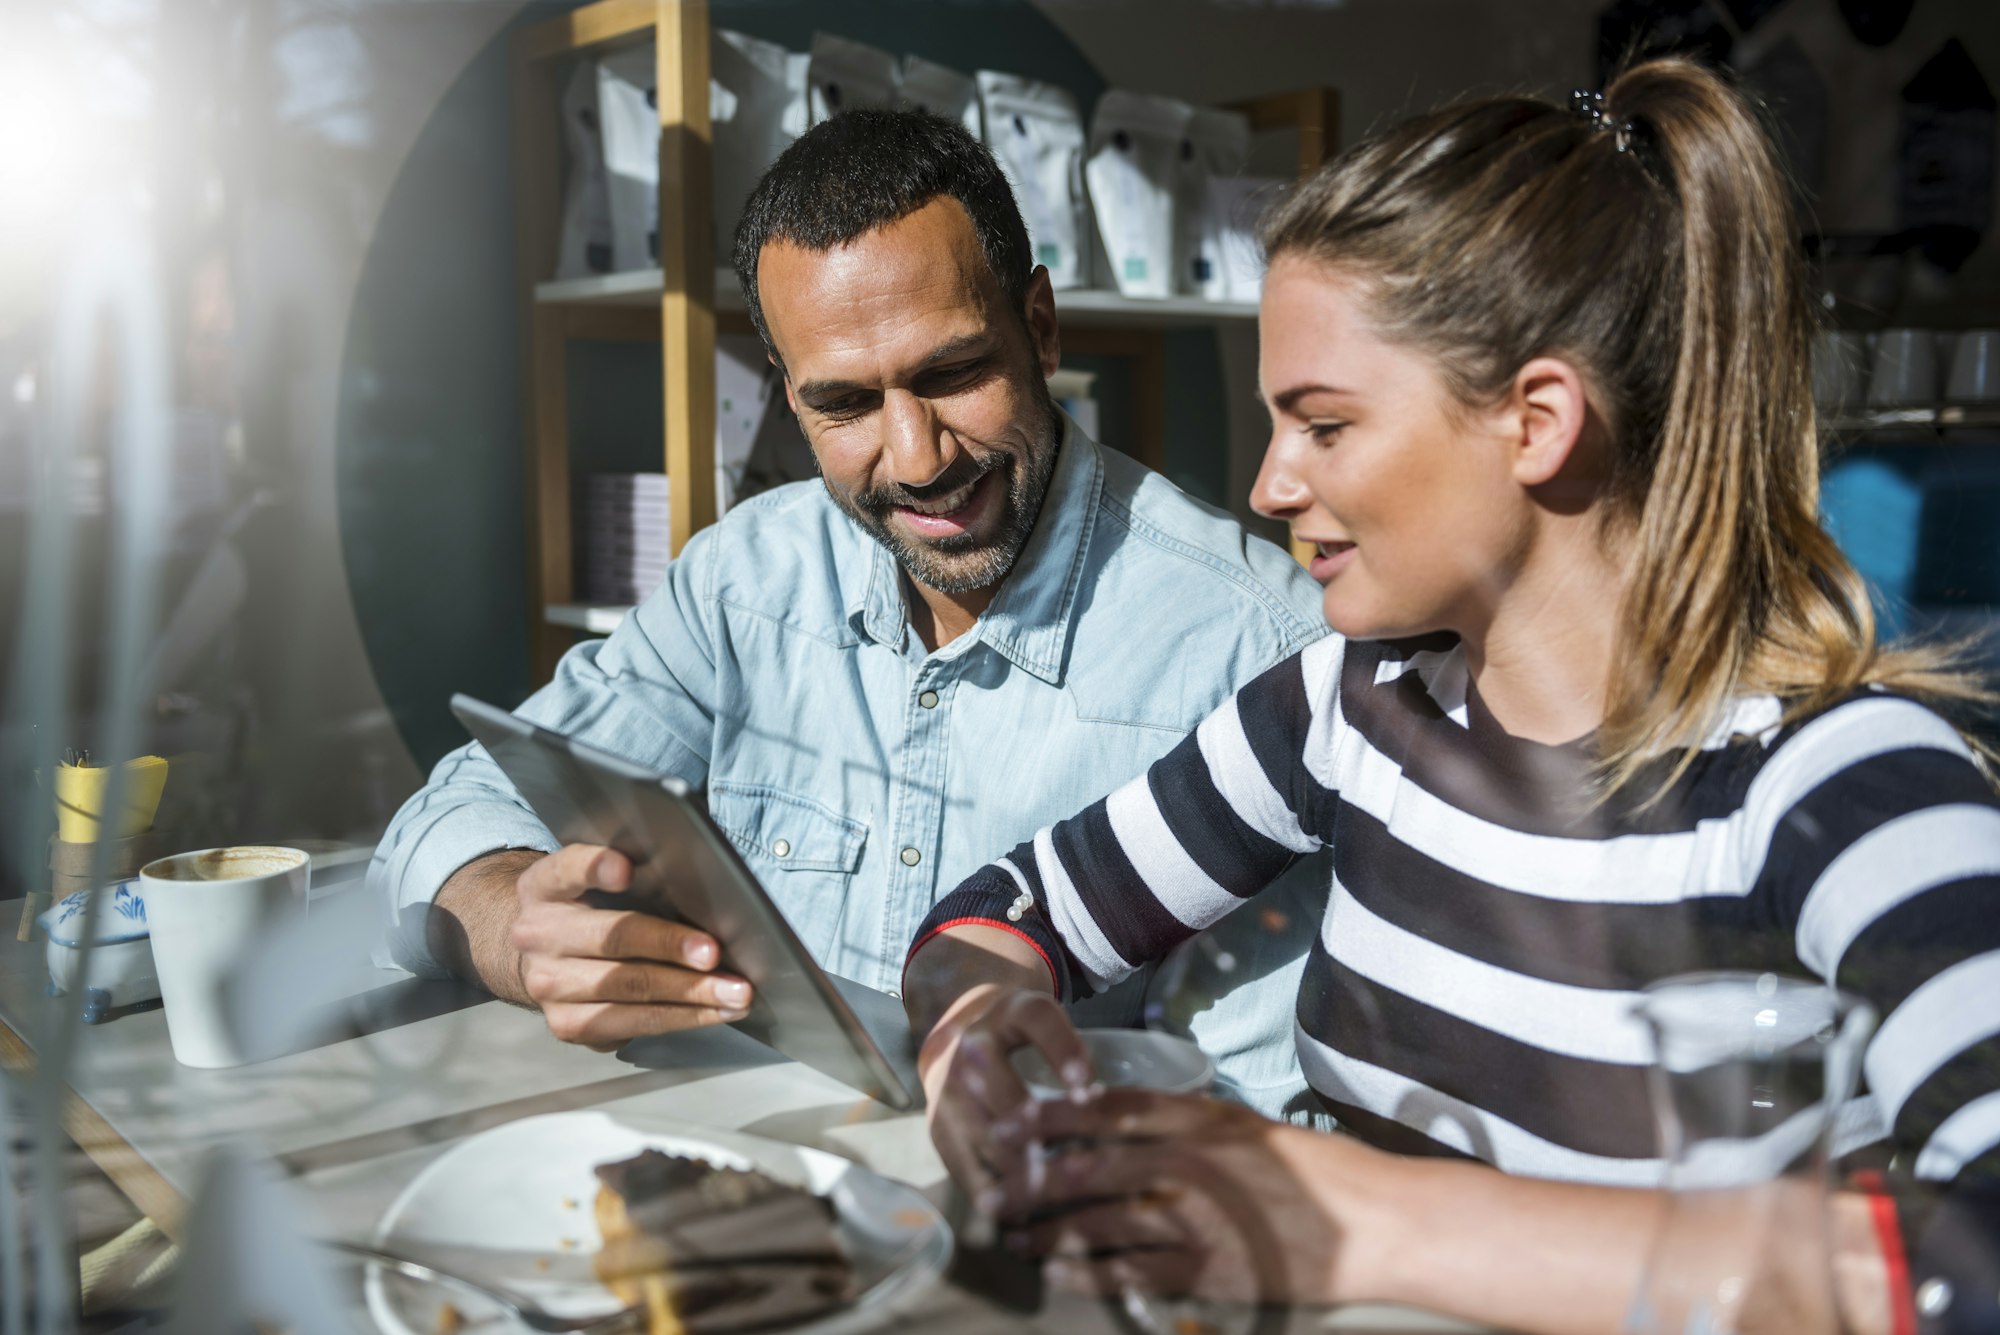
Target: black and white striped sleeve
x=1207 y=826
x=1892 y=858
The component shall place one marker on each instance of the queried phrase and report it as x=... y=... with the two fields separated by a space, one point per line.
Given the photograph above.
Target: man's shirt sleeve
x=647 y=693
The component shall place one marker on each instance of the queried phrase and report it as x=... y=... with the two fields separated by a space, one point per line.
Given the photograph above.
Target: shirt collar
x=1028 y=620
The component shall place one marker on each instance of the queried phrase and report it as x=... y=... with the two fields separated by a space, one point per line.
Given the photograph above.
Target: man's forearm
x=472 y=923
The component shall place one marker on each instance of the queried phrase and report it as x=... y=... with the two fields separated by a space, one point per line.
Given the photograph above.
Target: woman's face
x=1410 y=499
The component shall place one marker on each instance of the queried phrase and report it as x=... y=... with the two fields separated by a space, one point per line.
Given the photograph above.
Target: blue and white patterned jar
x=121 y=962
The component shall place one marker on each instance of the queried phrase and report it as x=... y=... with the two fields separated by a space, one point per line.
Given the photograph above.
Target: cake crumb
x=569 y=1202
x=569 y=1244
x=543 y=1263
x=449 y=1319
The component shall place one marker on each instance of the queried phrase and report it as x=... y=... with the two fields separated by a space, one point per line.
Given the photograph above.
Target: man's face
x=921 y=390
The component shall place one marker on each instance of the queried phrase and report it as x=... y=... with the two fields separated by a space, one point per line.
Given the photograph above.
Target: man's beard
x=963 y=562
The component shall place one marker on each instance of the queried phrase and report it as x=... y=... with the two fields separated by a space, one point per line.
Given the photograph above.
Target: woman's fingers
x=1039 y=1020
x=963 y=1160
x=1121 y=1114
x=1170 y=1272
x=983 y=1068
x=1040 y=1178
x=970 y=1076
x=1145 y=1222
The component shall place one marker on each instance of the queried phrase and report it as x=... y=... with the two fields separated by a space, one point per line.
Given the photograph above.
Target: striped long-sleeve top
x=1489 y=922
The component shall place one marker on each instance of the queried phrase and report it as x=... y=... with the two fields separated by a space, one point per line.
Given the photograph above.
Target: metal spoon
x=520 y=1309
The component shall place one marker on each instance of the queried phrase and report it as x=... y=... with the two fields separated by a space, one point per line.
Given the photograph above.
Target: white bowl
x=1141 y=1058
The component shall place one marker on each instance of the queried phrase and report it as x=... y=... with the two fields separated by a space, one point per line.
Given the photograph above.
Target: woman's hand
x=969 y=1079
x=1177 y=1195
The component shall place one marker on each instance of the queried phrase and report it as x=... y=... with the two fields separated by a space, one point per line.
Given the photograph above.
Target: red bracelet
x=1055 y=979
x=1895 y=1257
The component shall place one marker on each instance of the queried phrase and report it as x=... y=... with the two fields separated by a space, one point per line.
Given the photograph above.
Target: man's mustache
x=965 y=469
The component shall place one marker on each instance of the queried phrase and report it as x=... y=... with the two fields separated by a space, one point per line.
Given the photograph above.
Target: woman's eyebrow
x=1288 y=400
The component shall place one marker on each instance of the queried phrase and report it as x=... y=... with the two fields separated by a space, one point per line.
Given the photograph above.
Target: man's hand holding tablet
x=599 y=975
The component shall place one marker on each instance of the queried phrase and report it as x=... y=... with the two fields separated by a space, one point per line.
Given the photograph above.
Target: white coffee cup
x=1975 y=368
x=1140 y=1058
x=1906 y=369
x=207 y=911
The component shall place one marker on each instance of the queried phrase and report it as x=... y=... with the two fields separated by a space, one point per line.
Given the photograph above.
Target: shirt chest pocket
x=781 y=832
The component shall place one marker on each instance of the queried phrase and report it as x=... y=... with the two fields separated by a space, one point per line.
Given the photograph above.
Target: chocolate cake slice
x=712 y=1250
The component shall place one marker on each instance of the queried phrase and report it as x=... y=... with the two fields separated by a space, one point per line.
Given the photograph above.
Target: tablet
x=684 y=868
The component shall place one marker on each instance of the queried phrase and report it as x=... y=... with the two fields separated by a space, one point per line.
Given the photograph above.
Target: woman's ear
x=1546 y=411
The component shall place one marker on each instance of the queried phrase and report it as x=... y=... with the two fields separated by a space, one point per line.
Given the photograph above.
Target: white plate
x=526 y=1188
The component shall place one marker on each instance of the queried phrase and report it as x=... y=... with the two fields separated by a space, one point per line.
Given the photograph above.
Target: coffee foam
x=225 y=864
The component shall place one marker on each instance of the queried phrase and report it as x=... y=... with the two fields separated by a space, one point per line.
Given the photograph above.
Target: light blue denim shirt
x=863 y=778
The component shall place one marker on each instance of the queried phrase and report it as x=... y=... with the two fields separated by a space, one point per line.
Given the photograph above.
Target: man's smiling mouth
x=956 y=512
x=947 y=504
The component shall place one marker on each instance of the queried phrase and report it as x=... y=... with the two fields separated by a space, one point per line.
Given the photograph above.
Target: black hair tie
x=1590 y=105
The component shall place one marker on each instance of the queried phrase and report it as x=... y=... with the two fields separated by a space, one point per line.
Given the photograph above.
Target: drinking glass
x=1750 y=1071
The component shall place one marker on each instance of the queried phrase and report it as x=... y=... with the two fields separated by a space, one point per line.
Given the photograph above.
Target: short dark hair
x=866 y=168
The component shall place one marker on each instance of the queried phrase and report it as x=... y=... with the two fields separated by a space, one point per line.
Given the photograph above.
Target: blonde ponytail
x=1662 y=259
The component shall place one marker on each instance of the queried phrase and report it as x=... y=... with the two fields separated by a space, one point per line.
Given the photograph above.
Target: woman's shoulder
x=1865 y=722
x=1871 y=753
x=1335 y=667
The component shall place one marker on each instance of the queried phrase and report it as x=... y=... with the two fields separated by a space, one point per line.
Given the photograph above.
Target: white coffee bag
x=1216 y=146
x=844 y=75
x=631 y=131
x=745 y=382
x=798 y=85
x=756 y=106
x=584 y=247
x=1233 y=205
x=942 y=91
x=1035 y=132
x=1135 y=148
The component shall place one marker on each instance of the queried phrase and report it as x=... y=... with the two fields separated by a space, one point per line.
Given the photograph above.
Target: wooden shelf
x=634 y=287
x=686 y=302
x=1943 y=417
x=595 y=618
x=1077 y=307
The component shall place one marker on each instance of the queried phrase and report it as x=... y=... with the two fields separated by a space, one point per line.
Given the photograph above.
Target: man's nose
x=915 y=447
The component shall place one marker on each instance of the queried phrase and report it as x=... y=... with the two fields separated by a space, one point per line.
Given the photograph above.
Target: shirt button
x=783 y=848
x=1934 y=1296
x=895 y=994
x=911 y=857
x=928 y=699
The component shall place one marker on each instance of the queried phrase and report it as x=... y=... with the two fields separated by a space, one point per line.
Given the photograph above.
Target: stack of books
x=622 y=540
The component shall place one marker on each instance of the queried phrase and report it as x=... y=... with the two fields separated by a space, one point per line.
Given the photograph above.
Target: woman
x=1608 y=707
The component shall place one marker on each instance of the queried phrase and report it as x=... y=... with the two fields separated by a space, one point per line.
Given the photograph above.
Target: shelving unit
x=687 y=301
x=1915 y=420
x=1083 y=308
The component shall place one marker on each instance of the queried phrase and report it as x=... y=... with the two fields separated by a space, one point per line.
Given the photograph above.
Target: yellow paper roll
x=80 y=792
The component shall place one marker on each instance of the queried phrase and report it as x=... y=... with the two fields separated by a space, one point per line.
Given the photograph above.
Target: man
x=976 y=623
